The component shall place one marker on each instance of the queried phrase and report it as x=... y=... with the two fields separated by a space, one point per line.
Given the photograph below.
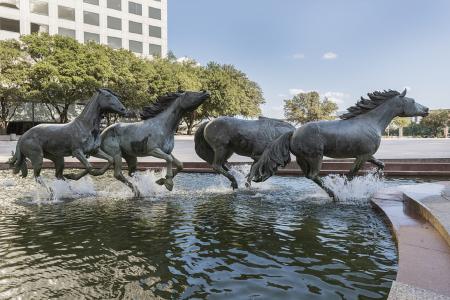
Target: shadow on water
x=267 y=243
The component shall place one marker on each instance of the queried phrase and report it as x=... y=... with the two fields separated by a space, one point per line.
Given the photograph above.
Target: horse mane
x=160 y=105
x=365 y=105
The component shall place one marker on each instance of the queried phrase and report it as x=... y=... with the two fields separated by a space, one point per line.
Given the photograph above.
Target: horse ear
x=403 y=94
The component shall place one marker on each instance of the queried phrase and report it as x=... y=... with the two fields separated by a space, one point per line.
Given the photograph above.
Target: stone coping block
x=423 y=252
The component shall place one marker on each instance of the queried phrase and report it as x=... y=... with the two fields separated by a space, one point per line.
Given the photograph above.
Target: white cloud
x=298 y=56
x=336 y=97
x=296 y=91
x=329 y=55
x=282 y=95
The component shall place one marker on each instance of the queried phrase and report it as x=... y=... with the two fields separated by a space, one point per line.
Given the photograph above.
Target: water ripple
x=280 y=239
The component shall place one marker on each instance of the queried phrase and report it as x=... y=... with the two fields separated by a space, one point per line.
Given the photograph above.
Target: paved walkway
x=389 y=149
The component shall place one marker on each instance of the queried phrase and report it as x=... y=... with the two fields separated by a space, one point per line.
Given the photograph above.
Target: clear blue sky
x=343 y=49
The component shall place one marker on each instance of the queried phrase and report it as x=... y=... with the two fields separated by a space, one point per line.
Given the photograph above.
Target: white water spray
x=358 y=190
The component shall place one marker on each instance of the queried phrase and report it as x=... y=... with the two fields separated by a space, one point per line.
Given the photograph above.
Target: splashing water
x=63 y=189
x=7 y=182
x=358 y=190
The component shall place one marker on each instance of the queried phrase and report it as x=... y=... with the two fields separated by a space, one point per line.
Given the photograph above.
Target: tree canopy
x=436 y=121
x=307 y=107
x=59 y=72
x=13 y=80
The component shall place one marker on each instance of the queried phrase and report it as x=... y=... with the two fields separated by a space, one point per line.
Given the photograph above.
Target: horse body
x=217 y=140
x=357 y=135
x=336 y=139
x=153 y=136
x=78 y=138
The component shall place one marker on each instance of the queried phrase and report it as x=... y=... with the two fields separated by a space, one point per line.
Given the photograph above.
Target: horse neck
x=171 y=117
x=90 y=116
x=381 y=116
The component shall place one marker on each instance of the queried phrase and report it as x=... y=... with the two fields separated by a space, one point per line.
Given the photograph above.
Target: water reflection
x=258 y=244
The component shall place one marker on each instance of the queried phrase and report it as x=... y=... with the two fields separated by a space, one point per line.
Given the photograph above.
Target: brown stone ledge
x=423 y=253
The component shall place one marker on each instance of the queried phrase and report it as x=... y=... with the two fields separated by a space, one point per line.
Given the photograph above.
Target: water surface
x=281 y=239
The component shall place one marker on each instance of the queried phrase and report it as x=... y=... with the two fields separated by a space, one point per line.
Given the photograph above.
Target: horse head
x=189 y=101
x=408 y=107
x=109 y=102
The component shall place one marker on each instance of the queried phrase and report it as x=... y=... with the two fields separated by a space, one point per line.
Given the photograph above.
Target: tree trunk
x=400 y=132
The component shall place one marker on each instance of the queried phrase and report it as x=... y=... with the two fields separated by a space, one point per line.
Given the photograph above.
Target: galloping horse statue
x=153 y=136
x=78 y=138
x=357 y=135
x=217 y=140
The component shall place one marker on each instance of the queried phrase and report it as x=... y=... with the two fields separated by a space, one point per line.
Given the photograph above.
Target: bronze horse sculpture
x=152 y=136
x=357 y=134
x=217 y=140
x=78 y=138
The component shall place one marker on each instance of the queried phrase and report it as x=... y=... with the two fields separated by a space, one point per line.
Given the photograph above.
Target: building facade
x=137 y=25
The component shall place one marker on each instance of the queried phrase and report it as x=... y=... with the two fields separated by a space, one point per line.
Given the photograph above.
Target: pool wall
x=419 y=216
x=436 y=167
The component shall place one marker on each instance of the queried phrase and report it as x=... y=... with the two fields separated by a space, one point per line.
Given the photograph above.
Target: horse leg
x=168 y=182
x=131 y=163
x=311 y=168
x=119 y=175
x=220 y=156
x=359 y=162
x=248 y=183
x=59 y=165
x=376 y=162
x=37 y=158
x=79 y=154
x=178 y=165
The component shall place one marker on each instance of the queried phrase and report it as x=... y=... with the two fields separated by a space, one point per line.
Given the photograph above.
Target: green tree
x=13 y=80
x=398 y=123
x=63 y=72
x=436 y=121
x=232 y=93
x=307 y=107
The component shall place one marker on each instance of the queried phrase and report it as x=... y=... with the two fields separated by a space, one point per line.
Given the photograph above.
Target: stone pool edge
x=421 y=237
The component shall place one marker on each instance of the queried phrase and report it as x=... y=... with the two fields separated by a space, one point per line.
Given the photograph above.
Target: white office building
x=137 y=25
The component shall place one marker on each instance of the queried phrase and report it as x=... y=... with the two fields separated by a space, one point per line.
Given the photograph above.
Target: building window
x=93 y=2
x=66 y=32
x=114 y=23
x=135 y=27
x=135 y=8
x=10 y=3
x=135 y=46
x=9 y=25
x=114 y=42
x=154 y=31
x=39 y=7
x=154 y=13
x=114 y=4
x=67 y=13
x=91 y=18
x=154 y=50
x=88 y=36
x=34 y=27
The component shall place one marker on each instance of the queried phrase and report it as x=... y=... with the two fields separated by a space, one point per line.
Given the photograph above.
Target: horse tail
x=202 y=148
x=276 y=154
x=18 y=162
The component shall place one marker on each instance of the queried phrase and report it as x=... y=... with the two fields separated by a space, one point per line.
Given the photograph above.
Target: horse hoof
x=168 y=183
x=248 y=185
x=234 y=185
x=161 y=181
